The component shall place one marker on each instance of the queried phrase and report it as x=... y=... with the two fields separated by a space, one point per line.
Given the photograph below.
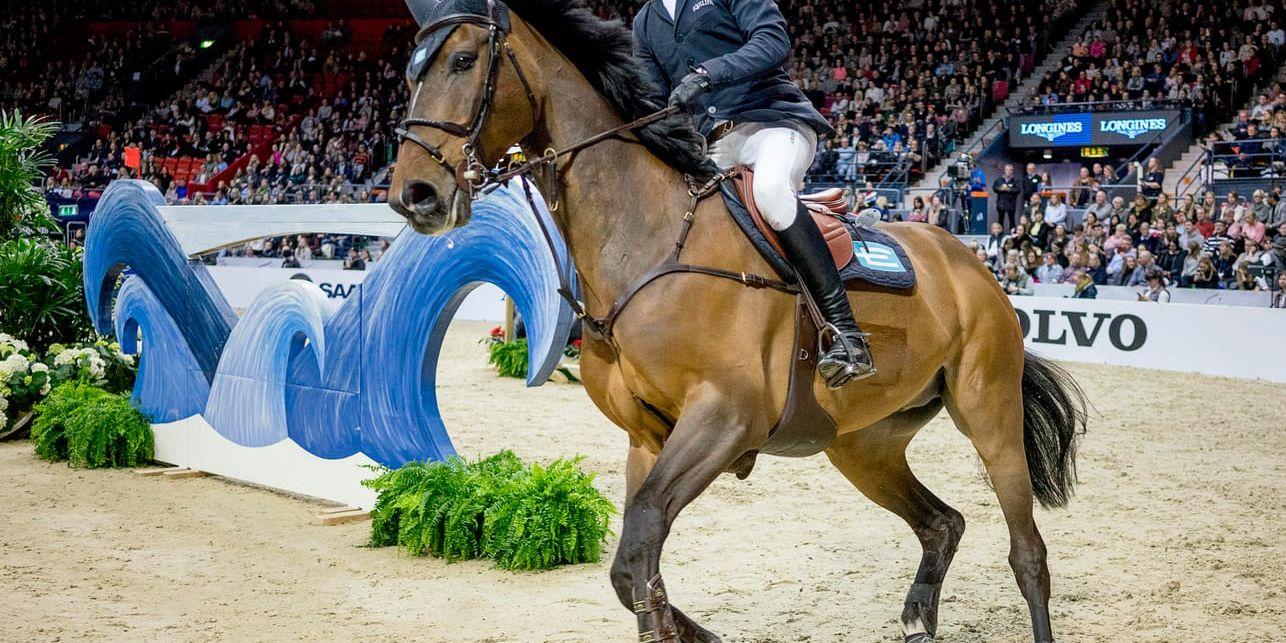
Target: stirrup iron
x=851 y=371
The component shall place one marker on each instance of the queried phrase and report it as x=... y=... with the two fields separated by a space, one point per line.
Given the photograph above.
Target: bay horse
x=696 y=369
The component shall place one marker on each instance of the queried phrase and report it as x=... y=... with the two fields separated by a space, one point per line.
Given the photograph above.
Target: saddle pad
x=878 y=259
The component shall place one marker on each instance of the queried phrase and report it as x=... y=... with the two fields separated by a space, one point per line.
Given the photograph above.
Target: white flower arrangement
x=25 y=378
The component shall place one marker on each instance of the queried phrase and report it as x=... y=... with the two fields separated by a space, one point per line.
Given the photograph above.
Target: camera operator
x=1007 y=190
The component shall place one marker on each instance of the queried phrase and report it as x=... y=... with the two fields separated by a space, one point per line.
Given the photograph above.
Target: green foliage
x=524 y=517
x=49 y=429
x=23 y=210
x=91 y=428
x=509 y=358
x=43 y=294
x=547 y=517
x=40 y=280
x=437 y=508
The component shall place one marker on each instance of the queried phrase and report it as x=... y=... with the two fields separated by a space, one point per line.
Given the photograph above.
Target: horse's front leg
x=705 y=441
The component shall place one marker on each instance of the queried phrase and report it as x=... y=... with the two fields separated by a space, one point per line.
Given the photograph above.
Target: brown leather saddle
x=825 y=206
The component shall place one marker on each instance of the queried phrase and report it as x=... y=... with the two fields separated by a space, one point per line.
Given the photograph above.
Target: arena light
x=206 y=44
x=1049 y=154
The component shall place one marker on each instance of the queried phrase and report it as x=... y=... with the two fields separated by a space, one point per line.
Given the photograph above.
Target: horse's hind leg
x=704 y=443
x=874 y=460
x=986 y=402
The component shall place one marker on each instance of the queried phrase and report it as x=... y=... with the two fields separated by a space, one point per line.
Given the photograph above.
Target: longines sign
x=1176 y=337
x=1091 y=128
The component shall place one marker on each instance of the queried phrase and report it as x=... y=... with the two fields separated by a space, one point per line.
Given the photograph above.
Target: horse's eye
x=462 y=62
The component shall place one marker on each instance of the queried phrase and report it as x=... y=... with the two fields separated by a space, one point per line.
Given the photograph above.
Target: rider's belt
x=721 y=130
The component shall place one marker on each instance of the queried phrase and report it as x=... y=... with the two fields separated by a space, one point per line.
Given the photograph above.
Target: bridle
x=470 y=175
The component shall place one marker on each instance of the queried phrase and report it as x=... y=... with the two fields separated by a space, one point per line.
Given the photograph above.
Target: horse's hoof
x=690 y=632
x=921 y=637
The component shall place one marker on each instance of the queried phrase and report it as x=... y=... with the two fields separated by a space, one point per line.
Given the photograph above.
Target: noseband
x=470 y=175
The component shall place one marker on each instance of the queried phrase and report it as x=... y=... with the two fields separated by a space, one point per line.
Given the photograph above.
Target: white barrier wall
x=1234 y=341
x=1214 y=340
x=241 y=284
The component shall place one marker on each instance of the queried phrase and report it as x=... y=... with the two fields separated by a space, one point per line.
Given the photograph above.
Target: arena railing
x=1260 y=161
x=1140 y=104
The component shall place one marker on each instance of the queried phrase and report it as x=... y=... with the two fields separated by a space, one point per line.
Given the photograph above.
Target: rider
x=723 y=60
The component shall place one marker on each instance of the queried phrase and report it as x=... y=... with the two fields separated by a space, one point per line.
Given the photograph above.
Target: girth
x=804 y=427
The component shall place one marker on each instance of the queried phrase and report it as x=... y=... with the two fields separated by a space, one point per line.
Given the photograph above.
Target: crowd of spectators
x=903 y=82
x=317 y=117
x=1252 y=146
x=95 y=84
x=285 y=120
x=1146 y=53
x=55 y=66
x=1148 y=241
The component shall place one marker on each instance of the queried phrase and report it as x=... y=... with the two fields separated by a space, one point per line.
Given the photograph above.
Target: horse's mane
x=603 y=51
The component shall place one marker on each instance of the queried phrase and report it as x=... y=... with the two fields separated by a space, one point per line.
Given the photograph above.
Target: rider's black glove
x=690 y=88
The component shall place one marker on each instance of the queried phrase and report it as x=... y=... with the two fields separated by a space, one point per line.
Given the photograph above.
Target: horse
x=695 y=369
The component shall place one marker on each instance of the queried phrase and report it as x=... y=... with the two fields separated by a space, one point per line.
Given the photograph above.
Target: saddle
x=826 y=207
x=861 y=253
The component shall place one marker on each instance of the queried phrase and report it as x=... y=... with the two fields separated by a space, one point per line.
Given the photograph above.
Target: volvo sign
x=1092 y=128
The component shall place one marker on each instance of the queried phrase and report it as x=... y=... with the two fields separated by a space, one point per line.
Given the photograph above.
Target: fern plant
x=523 y=517
x=91 y=428
x=49 y=429
x=437 y=508
x=509 y=358
x=547 y=517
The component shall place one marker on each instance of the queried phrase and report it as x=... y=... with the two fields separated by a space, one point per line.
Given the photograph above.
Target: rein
x=473 y=177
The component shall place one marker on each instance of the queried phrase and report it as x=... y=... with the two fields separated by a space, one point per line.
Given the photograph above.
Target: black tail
x=1054 y=415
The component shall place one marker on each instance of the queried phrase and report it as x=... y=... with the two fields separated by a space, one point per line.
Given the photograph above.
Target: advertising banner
x=1091 y=128
x=1174 y=337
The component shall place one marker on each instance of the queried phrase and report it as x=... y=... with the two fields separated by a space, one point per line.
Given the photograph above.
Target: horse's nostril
x=420 y=195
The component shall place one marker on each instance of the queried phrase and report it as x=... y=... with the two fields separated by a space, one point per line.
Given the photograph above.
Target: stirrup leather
x=656 y=602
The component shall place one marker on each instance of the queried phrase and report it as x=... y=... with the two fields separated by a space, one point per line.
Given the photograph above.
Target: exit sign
x=1097 y=152
x=68 y=211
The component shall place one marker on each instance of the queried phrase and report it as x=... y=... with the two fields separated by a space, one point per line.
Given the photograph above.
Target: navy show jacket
x=741 y=43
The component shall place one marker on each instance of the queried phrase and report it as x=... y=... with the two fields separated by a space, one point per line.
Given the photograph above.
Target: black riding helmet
x=438 y=19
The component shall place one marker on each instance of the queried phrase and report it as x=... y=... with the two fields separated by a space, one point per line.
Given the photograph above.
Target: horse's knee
x=622 y=581
x=776 y=200
x=641 y=536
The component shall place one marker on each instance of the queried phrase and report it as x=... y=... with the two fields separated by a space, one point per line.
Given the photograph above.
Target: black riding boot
x=848 y=358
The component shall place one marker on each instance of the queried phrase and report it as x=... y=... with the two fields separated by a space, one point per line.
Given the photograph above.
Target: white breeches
x=780 y=154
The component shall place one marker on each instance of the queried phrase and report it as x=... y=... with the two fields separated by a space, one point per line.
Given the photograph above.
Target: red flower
x=576 y=343
x=497 y=332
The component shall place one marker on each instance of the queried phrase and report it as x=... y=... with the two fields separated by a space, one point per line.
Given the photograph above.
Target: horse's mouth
x=441 y=219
